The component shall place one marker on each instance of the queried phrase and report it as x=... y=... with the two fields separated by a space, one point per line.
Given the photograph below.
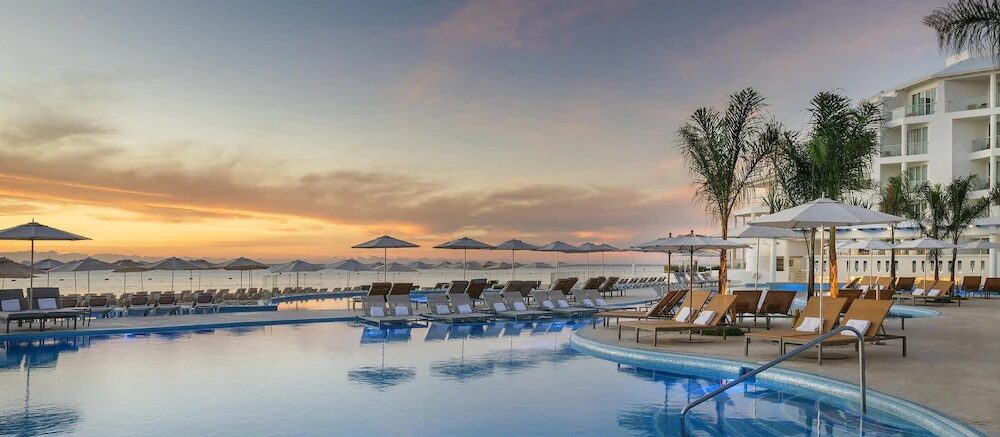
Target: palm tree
x=725 y=153
x=933 y=217
x=896 y=198
x=967 y=25
x=833 y=161
x=963 y=210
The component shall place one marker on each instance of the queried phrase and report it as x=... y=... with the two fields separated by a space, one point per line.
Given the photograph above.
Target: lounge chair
x=167 y=304
x=852 y=294
x=971 y=285
x=400 y=289
x=14 y=308
x=475 y=290
x=554 y=301
x=98 y=306
x=659 y=309
x=904 y=283
x=747 y=303
x=452 y=308
x=47 y=300
x=805 y=324
x=593 y=283
x=203 y=302
x=526 y=288
x=866 y=316
x=710 y=317
x=991 y=285
x=383 y=310
x=495 y=304
x=608 y=287
x=457 y=287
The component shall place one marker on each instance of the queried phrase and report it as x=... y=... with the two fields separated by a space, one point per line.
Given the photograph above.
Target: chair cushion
x=683 y=314
x=402 y=310
x=562 y=303
x=934 y=292
x=377 y=311
x=548 y=304
x=441 y=309
x=10 y=305
x=918 y=292
x=600 y=302
x=587 y=302
x=464 y=309
x=860 y=325
x=520 y=306
x=499 y=307
x=704 y=317
x=47 y=303
x=809 y=324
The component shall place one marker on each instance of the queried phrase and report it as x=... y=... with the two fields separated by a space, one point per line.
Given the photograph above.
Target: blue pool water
x=343 y=379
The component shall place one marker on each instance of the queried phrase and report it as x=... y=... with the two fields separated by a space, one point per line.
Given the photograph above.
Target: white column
x=993 y=91
x=773 y=261
x=992 y=263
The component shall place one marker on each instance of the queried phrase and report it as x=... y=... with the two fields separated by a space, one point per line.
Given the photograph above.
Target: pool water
x=345 y=379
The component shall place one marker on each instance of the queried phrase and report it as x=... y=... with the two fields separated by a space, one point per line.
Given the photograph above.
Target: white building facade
x=937 y=128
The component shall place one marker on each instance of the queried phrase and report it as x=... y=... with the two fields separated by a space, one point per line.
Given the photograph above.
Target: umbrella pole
x=142 y=286
x=465 y=263
x=513 y=265
x=670 y=271
x=172 y=280
x=124 y=280
x=385 y=263
x=756 y=274
x=821 y=269
x=88 y=281
x=31 y=272
x=588 y=265
x=74 y=282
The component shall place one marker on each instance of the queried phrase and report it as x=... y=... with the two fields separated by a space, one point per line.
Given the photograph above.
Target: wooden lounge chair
x=991 y=285
x=777 y=303
x=457 y=287
x=747 y=302
x=608 y=287
x=204 y=302
x=867 y=316
x=851 y=294
x=904 y=283
x=400 y=288
x=853 y=283
x=658 y=310
x=940 y=293
x=15 y=309
x=711 y=316
x=475 y=290
x=971 y=285
x=832 y=307
x=593 y=283
x=167 y=304
x=526 y=288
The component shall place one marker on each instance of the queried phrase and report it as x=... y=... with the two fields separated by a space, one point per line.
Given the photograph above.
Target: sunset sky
x=285 y=130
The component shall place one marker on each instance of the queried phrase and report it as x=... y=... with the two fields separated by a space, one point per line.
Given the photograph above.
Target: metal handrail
x=796 y=351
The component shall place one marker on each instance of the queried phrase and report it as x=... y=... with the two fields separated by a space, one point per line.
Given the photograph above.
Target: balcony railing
x=980 y=144
x=969 y=104
x=982 y=182
x=893 y=150
x=920 y=109
x=916 y=148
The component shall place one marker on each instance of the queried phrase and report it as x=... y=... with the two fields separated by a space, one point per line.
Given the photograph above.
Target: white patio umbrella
x=927 y=243
x=822 y=213
x=758 y=232
x=871 y=246
x=351 y=266
x=589 y=248
x=173 y=264
x=297 y=266
x=205 y=265
x=45 y=265
x=125 y=266
x=514 y=245
x=385 y=243
x=558 y=247
x=604 y=248
x=12 y=269
x=464 y=243
x=34 y=231
x=398 y=268
x=84 y=265
x=980 y=245
x=659 y=245
x=690 y=244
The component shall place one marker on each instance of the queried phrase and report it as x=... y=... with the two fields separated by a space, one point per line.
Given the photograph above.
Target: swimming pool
x=341 y=379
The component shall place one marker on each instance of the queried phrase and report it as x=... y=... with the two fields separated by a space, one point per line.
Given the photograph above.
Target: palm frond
x=972 y=25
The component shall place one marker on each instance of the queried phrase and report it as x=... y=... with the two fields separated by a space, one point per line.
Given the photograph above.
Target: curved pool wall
x=421 y=296
x=775 y=378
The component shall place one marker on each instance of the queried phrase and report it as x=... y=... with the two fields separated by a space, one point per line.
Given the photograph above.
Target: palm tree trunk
x=723 y=257
x=954 y=261
x=833 y=261
x=937 y=264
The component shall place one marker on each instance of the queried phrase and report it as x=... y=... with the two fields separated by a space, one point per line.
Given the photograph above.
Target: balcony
x=920 y=109
x=969 y=104
x=916 y=148
x=890 y=150
x=980 y=144
x=982 y=182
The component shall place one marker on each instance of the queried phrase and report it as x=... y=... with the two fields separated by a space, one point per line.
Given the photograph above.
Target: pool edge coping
x=926 y=417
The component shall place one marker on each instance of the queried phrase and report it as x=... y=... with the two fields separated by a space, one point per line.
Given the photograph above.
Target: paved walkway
x=953 y=362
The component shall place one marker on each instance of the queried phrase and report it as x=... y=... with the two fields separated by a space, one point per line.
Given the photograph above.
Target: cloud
x=519 y=24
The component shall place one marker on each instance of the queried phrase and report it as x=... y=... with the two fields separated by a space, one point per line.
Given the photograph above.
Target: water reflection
x=23 y=356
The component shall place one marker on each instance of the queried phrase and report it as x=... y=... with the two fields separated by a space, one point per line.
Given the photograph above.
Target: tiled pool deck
x=952 y=363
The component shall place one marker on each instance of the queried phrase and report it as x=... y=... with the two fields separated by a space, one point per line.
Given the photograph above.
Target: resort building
x=935 y=128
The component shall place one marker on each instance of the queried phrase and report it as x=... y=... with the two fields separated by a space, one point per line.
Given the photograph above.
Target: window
x=917 y=173
x=878 y=267
x=865 y=264
x=856 y=266
x=923 y=266
x=914 y=268
x=780 y=263
x=960 y=267
x=916 y=141
x=922 y=103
